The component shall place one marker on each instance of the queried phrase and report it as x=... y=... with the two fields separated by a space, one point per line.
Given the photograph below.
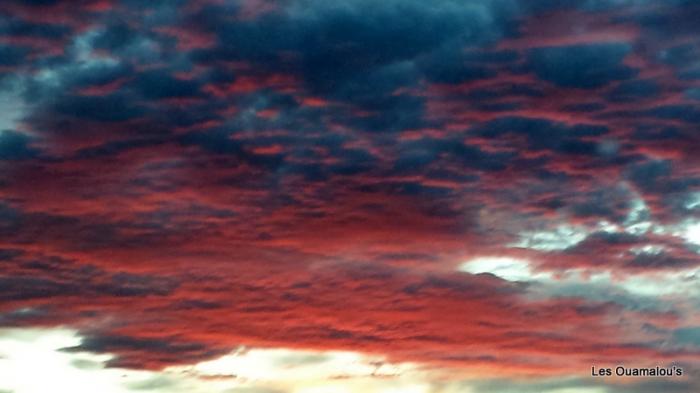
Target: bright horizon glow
x=24 y=351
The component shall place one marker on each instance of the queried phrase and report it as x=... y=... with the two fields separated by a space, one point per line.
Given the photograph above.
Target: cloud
x=15 y=146
x=581 y=66
x=483 y=188
x=166 y=351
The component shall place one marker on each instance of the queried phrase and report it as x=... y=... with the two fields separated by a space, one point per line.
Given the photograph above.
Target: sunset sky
x=349 y=196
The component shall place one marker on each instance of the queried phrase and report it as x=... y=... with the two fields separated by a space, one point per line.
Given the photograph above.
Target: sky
x=314 y=196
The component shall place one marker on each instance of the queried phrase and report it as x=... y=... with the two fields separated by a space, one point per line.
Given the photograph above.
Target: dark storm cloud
x=393 y=113
x=116 y=36
x=43 y=2
x=581 y=66
x=685 y=112
x=16 y=27
x=120 y=285
x=110 y=108
x=634 y=90
x=15 y=146
x=658 y=177
x=692 y=74
x=43 y=278
x=542 y=134
x=154 y=84
x=693 y=93
x=11 y=55
x=342 y=39
x=678 y=19
x=455 y=66
x=424 y=153
x=220 y=142
x=680 y=55
x=584 y=107
x=500 y=91
x=116 y=147
x=612 y=204
x=107 y=343
x=660 y=261
x=362 y=52
x=18 y=288
x=145 y=352
x=9 y=254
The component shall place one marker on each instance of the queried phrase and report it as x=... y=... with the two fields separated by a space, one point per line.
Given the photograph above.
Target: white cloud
x=31 y=361
x=12 y=107
x=686 y=282
x=691 y=232
x=560 y=238
x=298 y=365
x=507 y=268
x=693 y=201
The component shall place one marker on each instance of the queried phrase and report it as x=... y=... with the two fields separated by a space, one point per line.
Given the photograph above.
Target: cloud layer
x=501 y=188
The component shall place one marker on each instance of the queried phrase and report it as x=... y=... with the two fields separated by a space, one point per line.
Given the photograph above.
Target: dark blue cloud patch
x=100 y=75
x=156 y=84
x=20 y=28
x=115 y=147
x=676 y=18
x=689 y=337
x=411 y=189
x=691 y=74
x=611 y=204
x=499 y=91
x=16 y=146
x=353 y=161
x=115 y=37
x=693 y=93
x=662 y=184
x=11 y=55
x=221 y=143
x=362 y=52
x=8 y=254
x=368 y=35
x=634 y=90
x=145 y=352
x=659 y=177
x=41 y=2
x=109 y=108
x=455 y=67
x=542 y=134
x=420 y=155
x=685 y=113
x=51 y=276
x=390 y=113
x=684 y=59
x=584 y=107
x=661 y=261
x=583 y=66
x=679 y=55
x=656 y=133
